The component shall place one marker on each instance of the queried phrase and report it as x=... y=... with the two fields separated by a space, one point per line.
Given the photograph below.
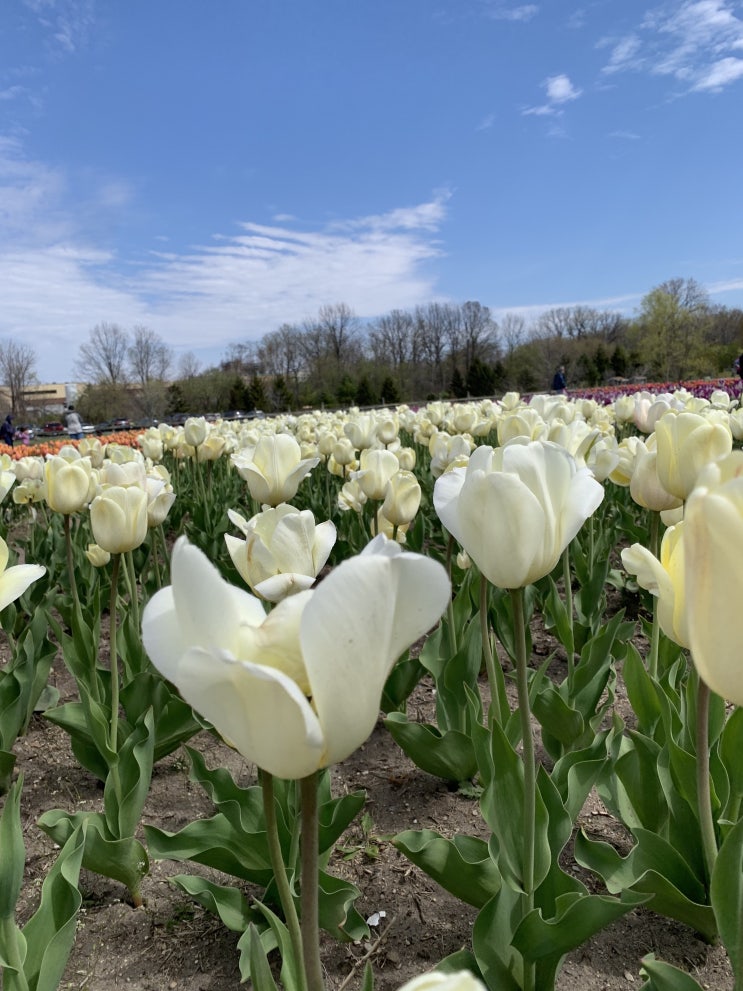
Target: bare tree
x=17 y=367
x=149 y=357
x=477 y=333
x=392 y=340
x=339 y=327
x=103 y=359
x=433 y=323
x=512 y=331
x=242 y=359
x=281 y=353
x=687 y=294
x=189 y=366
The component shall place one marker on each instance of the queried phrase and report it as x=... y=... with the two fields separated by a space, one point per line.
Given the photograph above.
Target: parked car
x=54 y=427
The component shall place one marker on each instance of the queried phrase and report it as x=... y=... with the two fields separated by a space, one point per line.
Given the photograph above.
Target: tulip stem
x=568 y=584
x=133 y=590
x=655 y=634
x=156 y=560
x=70 y=562
x=309 y=891
x=530 y=775
x=452 y=630
x=114 y=666
x=494 y=671
x=280 y=876
x=704 y=797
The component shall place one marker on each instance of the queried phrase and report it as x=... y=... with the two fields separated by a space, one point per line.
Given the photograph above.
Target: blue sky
x=211 y=170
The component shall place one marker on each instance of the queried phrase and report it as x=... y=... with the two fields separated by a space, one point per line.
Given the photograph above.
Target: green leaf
x=135 y=775
x=242 y=807
x=335 y=815
x=259 y=970
x=637 y=772
x=578 y=918
x=214 y=843
x=500 y=964
x=556 y=615
x=175 y=721
x=7 y=763
x=50 y=932
x=461 y=865
x=449 y=755
x=12 y=851
x=290 y=968
x=653 y=867
x=400 y=683
x=227 y=903
x=726 y=892
x=123 y=859
x=731 y=747
x=501 y=803
x=665 y=977
x=336 y=910
x=557 y=717
x=641 y=691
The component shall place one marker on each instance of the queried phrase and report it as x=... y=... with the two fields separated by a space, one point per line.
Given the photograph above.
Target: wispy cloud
x=58 y=283
x=625 y=54
x=559 y=91
x=698 y=43
x=509 y=12
x=486 y=123
x=624 y=135
x=67 y=22
x=720 y=74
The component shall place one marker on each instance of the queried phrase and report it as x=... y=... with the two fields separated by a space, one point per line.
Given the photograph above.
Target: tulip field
x=445 y=696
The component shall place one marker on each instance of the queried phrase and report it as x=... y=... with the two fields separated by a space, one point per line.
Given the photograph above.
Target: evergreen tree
x=390 y=395
x=257 y=394
x=619 y=361
x=480 y=378
x=238 y=397
x=176 y=403
x=282 y=399
x=457 y=386
x=347 y=391
x=364 y=393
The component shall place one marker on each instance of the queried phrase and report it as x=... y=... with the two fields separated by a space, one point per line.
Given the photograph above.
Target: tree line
x=438 y=350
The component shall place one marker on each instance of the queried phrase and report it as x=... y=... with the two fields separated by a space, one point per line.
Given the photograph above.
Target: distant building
x=42 y=399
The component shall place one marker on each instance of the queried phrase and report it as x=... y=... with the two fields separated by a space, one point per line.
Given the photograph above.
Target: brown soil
x=172 y=943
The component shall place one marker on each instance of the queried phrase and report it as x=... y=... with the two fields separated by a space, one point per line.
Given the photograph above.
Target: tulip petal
x=713 y=543
x=246 y=702
x=208 y=607
x=277 y=587
x=14 y=581
x=325 y=538
x=163 y=633
x=361 y=618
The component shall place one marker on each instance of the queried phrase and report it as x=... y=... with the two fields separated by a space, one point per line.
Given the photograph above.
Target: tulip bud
x=118 y=517
x=377 y=466
x=195 y=430
x=685 y=443
x=402 y=499
x=69 y=485
x=97 y=556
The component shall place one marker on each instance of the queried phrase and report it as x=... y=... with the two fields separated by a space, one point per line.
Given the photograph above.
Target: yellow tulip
x=713 y=547
x=685 y=443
